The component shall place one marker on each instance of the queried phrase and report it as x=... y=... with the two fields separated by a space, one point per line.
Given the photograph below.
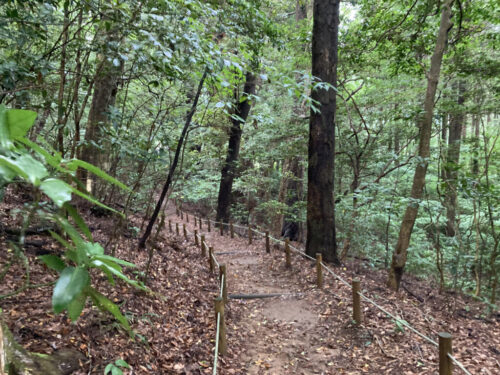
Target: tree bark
x=105 y=90
x=228 y=172
x=171 y=171
x=14 y=359
x=452 y=160
x=291 y=228
x=425 y=124
x=321 y=236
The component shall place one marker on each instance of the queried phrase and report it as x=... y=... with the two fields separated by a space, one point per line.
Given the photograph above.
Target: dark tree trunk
x=321 y=236
x=425 y=124
x=452 y=160
x=171 y=171
x=233 y=149
x=291 y=227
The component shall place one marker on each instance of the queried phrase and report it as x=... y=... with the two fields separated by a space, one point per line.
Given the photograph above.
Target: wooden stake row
x=445 y=339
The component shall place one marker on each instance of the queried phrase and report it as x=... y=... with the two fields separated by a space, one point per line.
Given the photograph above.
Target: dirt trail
x=310 y=330
x=278 y=335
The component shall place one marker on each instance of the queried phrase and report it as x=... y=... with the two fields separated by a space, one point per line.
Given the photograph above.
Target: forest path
x=309 y=330
x=278 y=335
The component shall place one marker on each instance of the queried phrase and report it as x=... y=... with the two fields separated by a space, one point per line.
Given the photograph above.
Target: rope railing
x=336 y=276
x=216 y=352
x=459 y=365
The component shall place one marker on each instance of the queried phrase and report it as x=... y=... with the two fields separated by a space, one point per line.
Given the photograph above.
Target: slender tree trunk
x=62 y=76
x=452 y=160
x=425 y=124
x=321 y=236
x=171 y=171
x=233 y=149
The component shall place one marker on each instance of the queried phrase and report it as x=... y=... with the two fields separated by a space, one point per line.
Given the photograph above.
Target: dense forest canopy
x=215 y=102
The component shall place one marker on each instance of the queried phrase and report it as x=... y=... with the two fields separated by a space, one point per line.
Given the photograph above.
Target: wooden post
x=319 y=270
x=185 y=231
x=203 y=247
x=231 y=228
x=219 y=310
x=177 y=228
x=200 y=222
x=182 y=216
x=177 y=211
x=356 y=301
x=222 y=271
x=288 y=257
x=249 y=234
x=170 y=225
x=194 y=217
x=208 y=223
x=268 y=246
x=187 y=217
x=445 y=363
x=196 y=237
x=221 y=229
x=211 y=259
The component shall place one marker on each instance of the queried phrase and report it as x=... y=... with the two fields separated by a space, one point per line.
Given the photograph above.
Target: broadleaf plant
x=22 y=160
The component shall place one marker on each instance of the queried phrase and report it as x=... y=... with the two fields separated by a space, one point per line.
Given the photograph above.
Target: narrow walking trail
x=309 y=330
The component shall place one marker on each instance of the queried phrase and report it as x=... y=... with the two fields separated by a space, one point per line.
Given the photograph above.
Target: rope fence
x=446 y=359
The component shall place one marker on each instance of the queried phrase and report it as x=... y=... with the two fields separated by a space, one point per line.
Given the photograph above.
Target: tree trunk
x=290 y=228
x=62 y=83
x=321 y=236
x=106 y=79
x=233 y=149
x=14 y=359
x=425 y=124
x=171 y=171
x=452 y=160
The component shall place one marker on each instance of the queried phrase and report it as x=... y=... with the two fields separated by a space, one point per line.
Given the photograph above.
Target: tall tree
x=106 y=80
x=321 y=236
x=425 y=125
x=173 y=166
x=242 y=110
x=453 y=158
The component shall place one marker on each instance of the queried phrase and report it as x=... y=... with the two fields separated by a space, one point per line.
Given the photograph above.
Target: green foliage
x=73 y=286
x=116 y=367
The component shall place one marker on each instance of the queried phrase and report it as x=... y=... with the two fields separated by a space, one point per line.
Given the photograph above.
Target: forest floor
x=306 y=331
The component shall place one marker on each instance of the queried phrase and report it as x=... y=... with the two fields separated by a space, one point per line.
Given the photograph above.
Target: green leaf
x=19 y=122
x=75 y=164
x=78 y=221
x=93 y=249
x=53 y=262
x=53 y=161
x=6 y=173
x=95 y=201
x=75 y=308
x=108 y=368
x=5 y=138
x=57 y=190
x=106 y=305
x=70 y=231
x=69 y=285
x=26 y=167
x=116 y=371
x=122 y=363
x=116 y=260
x=115 y=269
